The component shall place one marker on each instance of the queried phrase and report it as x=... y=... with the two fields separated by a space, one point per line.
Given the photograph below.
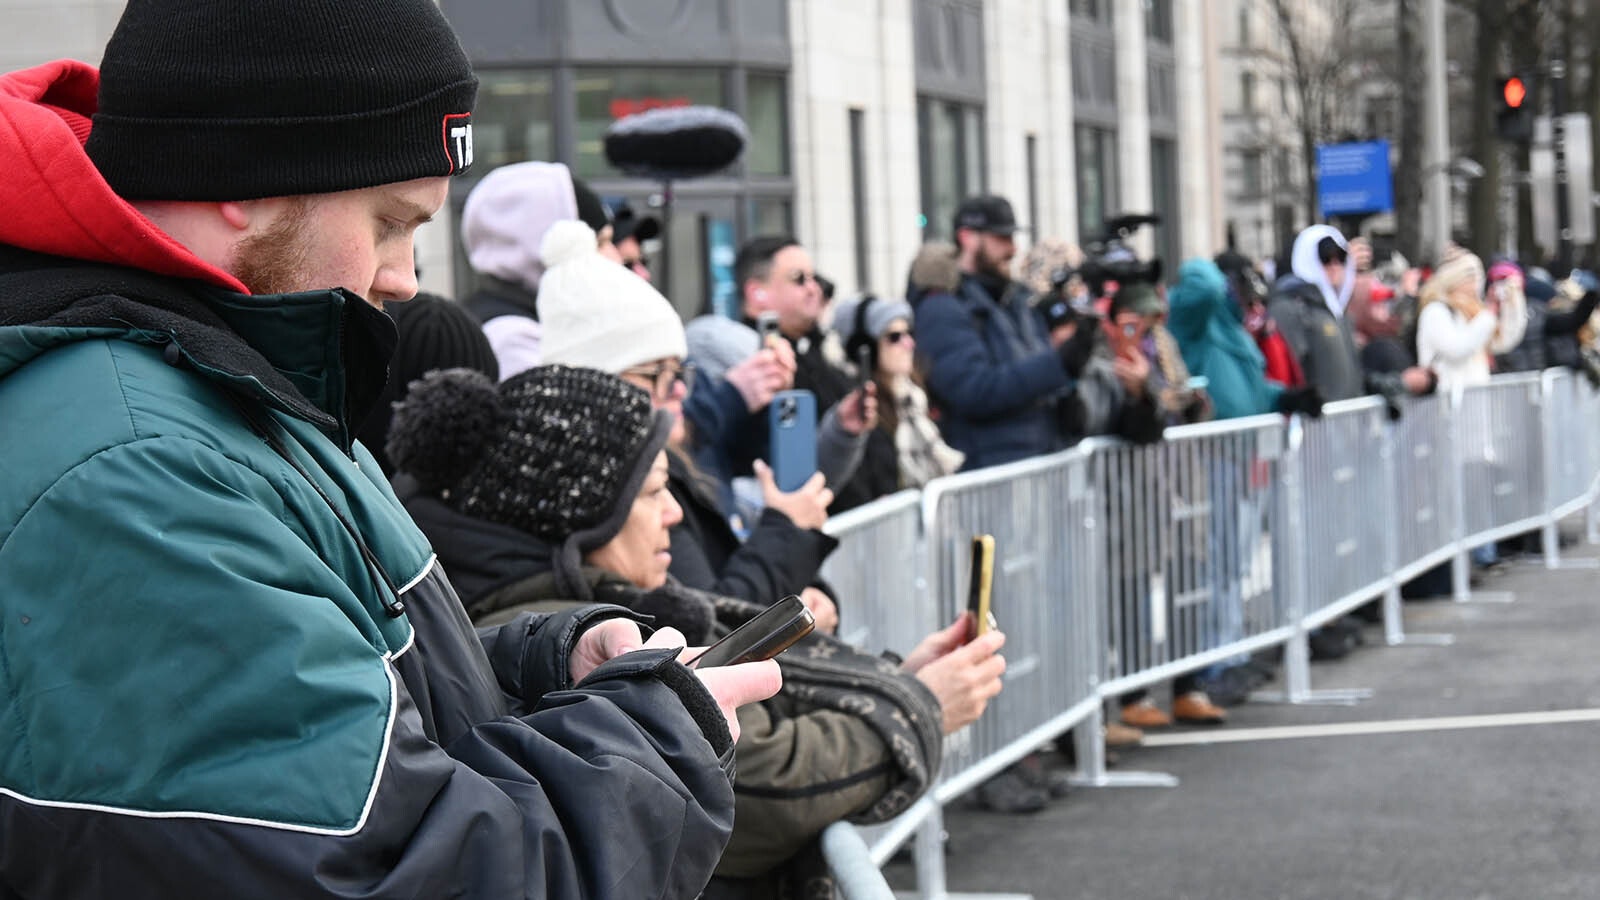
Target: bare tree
x=1320 y=54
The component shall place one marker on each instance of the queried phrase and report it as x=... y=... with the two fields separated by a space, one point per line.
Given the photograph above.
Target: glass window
x=1164 y=194
x=1250 y=173
x=766 y=114
x=1247 y=92
x=1096 y=150
x=770 y=215
x=1158 y=20
x=1097 y=10
x=512 y=120
x=605 y=95
x=953 y=159
x=858 y=191
x=1244 y=26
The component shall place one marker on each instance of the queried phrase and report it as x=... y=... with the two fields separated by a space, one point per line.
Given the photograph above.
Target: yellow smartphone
x=981 y=586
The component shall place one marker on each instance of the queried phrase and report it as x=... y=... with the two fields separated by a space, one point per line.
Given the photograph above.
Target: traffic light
x=1514 y=121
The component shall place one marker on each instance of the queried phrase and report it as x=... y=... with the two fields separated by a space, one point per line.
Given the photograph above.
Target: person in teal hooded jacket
x=1205 y=320
x=1216 y=346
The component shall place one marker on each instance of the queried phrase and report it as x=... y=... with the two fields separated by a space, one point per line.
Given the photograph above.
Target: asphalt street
x=1471 y=774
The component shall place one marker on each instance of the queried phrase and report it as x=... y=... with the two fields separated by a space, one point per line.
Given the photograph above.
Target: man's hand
x=806 y=507
x=858 y=411
x=1410 y=282
x=822 y=609
x=731 y=686
x=763 y=374
x=606 y=641
x=1361 y=254
x=964 y=677
x=1418 y=380
x=1133 y=370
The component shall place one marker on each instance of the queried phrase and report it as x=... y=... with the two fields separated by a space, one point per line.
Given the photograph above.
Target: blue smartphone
x=792 y=424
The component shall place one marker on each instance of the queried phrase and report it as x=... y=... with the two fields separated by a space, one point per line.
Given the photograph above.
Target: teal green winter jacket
x=230 y=665
x=1215 y=344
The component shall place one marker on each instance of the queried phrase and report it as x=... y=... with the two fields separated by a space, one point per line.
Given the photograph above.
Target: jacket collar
x=320 y=356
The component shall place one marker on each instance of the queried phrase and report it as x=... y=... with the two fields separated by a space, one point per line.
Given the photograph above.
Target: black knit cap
x=241 y=99
x=556 y=451
x=434 y=333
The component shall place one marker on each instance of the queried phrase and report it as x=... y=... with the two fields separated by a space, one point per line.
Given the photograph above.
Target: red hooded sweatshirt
x=52 y=198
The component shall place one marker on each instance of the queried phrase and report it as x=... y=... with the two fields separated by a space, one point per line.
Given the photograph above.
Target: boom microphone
x=675 y=142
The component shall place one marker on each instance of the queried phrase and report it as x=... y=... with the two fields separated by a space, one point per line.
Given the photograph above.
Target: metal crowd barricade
x=1192 y=575
x=1120 y=566
x=1571 y=456
x=1348 y=516
x=1046 y=577
x=1505 y=489
x=877 y=573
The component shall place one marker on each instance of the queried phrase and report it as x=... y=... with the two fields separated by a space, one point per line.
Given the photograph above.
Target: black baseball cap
x=988 y=213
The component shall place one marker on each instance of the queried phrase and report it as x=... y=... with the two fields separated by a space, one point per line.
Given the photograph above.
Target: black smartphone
x=863 y=366
x=766 y=324
x=981 y=585
x=771 y=632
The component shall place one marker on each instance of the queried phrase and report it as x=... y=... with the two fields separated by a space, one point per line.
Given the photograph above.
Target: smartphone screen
x=771 y=632
x=981 y=585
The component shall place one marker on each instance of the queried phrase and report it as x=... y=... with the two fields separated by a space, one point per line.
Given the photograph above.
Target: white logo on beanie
x=458 y=141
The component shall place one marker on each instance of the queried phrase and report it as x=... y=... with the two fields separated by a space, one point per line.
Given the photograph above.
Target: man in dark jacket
x=1309 y=307
x=242 y=672
x=993 y=371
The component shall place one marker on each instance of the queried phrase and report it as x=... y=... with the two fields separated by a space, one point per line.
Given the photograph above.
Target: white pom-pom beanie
x=596 y=314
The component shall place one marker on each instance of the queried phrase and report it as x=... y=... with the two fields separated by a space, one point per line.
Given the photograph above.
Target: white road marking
x=1353 y=729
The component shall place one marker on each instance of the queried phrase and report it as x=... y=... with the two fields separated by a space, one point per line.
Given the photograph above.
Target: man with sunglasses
x=993 y=370
x=775 y=275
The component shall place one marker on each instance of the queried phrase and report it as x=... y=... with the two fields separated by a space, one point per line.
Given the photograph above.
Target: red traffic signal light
x=1514 y=119
x=1513 y=92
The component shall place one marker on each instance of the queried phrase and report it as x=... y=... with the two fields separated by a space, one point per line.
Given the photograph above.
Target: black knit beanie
x=434 y=333
x=240 y=99
x=556 y=451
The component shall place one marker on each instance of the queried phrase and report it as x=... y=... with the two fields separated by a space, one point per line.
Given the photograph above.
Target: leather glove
x=1076 y=350
x=1306 y=401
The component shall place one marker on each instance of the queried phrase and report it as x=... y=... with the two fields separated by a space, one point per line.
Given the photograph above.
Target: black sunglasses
x=894 y=337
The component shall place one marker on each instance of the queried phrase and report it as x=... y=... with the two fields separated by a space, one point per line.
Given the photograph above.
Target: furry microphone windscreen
x=676 y=143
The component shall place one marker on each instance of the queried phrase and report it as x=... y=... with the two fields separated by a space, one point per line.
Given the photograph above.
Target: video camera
x=1109 y=258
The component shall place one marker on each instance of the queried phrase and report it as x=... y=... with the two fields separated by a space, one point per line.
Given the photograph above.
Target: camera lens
x=787 y=411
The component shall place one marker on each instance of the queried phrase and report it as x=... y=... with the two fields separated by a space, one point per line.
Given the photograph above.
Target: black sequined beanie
x=558 y=452
x=241 y=99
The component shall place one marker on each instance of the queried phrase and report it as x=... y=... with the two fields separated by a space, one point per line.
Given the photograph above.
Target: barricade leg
x=1394 y=629
x=1090 y=743
x=930 y=866
x=1550 y=536
x=1297 y=681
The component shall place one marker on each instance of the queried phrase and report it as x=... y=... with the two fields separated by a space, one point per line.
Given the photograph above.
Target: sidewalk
x=1405 y=801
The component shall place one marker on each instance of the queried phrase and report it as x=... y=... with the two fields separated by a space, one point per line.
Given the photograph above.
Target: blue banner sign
x=1354 y=178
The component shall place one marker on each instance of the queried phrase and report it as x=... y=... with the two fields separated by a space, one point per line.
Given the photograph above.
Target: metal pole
x=1436 y=129
x=1558 y=139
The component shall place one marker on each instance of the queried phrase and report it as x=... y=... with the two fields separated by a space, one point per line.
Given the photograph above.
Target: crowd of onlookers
x=243 y=657
x=987 y=358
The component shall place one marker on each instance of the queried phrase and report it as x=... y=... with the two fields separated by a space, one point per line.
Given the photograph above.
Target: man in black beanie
x=232 y=666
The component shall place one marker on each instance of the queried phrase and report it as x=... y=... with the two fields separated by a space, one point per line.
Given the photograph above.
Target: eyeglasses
x=894 y=337
x=799 y=279
x=663 y=376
